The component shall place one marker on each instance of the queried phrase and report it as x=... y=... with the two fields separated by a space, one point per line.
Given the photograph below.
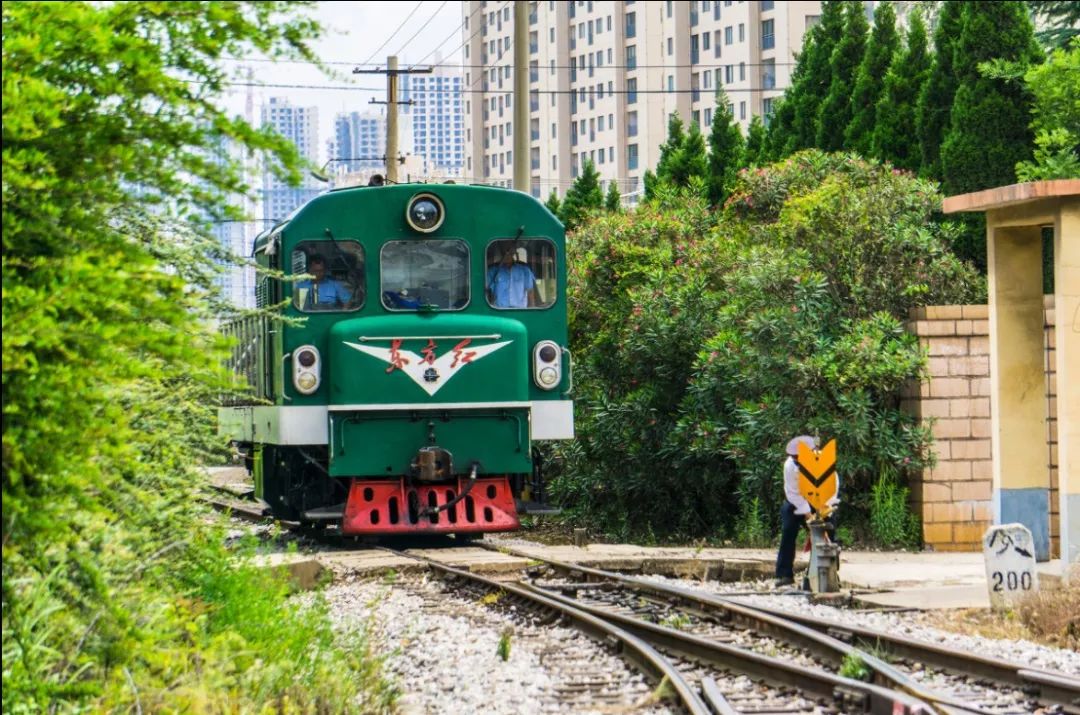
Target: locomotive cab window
x=337 y=270
x=428 y=274
x=520 y=273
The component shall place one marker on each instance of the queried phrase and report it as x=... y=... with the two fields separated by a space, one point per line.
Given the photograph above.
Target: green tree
x=754 y=151
x=814 y=73
x=988 y=126
x=690 y=161
x=1060 y=20
x=836 y=111
x=780 y=131
x=114 y=589
x=936 y=96
x=893 y=139
x=583 y=197
x=612 y=199
x=553 y=202
x=676 y=137
x=1055 y=117
x=881 y=49
x=725 y=151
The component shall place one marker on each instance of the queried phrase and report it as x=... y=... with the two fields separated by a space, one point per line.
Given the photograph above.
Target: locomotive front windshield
x=425 y=274
x=337 y=275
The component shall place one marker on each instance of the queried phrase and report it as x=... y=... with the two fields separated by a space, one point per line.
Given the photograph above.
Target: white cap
x=793 y=445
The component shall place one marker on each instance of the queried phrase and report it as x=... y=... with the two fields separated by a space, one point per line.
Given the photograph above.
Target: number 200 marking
x=1010 y=580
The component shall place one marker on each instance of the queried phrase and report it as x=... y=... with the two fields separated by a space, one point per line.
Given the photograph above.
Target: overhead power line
x=421 y=28
x=353 y=88
x=392 y=34
x=447 y=39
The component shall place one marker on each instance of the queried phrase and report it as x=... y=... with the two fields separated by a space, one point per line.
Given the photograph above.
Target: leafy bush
x=117 y=595
x=705 y=341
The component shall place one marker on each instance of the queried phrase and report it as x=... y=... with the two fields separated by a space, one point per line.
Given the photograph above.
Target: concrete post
x=1067 y=345
x=1018 y=393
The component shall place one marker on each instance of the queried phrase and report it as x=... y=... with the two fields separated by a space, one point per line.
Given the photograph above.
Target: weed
x=678 y=621
x=490 y=599
x=751 y=528
x=390 y=576
x=854 y=667
x=503 y=650
x=891 y=519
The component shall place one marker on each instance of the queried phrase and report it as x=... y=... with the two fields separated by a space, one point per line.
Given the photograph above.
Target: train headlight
x=307 y=367
x=425 y=213
x=547 y=365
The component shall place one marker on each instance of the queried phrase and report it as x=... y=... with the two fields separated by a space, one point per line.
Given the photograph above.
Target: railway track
x=702 y=650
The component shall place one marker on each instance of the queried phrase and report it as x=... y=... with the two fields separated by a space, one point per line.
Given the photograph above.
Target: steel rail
x=642 y=656
x=850 y=695
x=1050 y=687
x=825 y=646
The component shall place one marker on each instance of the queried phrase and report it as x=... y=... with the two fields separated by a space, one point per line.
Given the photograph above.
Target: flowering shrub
x=705 y=341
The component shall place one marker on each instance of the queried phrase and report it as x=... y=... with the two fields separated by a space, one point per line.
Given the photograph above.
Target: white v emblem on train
x=427 y=371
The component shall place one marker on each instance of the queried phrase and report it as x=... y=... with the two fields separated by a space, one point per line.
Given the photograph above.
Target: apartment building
x=605 y=75
x=300 y=125
x=438 y=131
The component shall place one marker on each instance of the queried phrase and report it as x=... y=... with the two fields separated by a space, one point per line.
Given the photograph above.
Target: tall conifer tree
x=893 y=139
x=676 y=137
x=725 y=151
x=835 y=112
x=988 y=126
x=936 y=96
x=810 y=93
x=753 y=153
x=869 y=82
x=583 y=196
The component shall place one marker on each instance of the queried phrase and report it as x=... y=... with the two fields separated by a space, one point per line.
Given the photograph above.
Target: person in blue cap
x=795 y=510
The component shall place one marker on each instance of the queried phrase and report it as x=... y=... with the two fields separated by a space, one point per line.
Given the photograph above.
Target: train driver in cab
x=324 y=292
x=511 y=283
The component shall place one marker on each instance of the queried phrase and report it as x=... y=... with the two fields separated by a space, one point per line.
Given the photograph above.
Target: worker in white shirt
x=795 y=510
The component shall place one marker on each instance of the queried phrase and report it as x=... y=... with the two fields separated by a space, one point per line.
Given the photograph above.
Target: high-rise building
x=300 y=125
x=438 y=127
x=359 y=141
x=605 y=76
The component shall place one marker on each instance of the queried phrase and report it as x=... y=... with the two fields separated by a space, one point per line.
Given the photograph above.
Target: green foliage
x=1060 y=20
x=881 y=48
x=812 y=78
x=854 y=667
x=682 y=159
x=752 y=528
x=988 y=126
x=936 y=95
x=704 y=341
x=503 y=649
x=583 y=197
x=116 y=595
x=1055 y=114
x=754 y=153
x=725 y=151
x=612 y=200
x=553 y=203
x=891 y=521
x=836 y=109
x=893 y=139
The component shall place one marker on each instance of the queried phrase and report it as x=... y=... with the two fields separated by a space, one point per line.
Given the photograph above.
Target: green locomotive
x=431 y=355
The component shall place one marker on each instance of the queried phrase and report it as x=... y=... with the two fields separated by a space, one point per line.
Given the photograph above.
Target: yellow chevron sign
x=817 y=475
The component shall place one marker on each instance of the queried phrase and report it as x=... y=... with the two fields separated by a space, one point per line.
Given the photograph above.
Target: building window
x=705 y=37
x=742 y=32
x=768 y=36
x=670 y=46
x=767 y=5
x=729 y=35
x=768 y=74
x=742 y=71
x=631 y=124
x=766 y=110
x=671 y=83
x=631 y=156
x=706 y=80
x=729 y=74
x=708 y=116
x=631 y=25
x=631 y=90
x=742 y=110
x=669 y=4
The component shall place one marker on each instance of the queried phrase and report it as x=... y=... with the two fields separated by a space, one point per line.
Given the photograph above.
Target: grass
x=854 y=667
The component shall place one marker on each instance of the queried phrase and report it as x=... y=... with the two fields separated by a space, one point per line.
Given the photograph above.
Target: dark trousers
x=790 y=523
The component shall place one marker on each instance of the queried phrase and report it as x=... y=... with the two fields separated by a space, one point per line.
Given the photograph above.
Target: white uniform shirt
x=791 y=488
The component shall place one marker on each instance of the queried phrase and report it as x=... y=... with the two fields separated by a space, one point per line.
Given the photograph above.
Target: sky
x=353 y=33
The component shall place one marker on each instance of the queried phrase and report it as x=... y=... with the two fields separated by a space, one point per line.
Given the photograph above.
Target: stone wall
x=954 y=497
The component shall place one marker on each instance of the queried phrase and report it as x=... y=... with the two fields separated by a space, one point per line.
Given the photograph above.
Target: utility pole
x=392 y=103
x=521 y=95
